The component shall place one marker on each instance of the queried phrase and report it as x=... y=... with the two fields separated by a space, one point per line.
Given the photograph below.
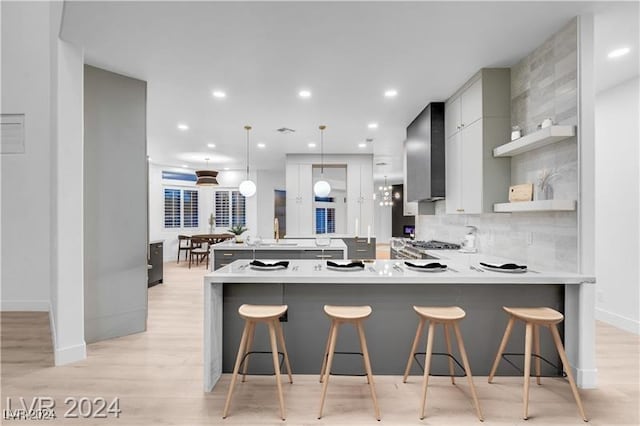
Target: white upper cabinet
x=477 y=118
x=463 y=109
x=359 y=197
x=452 y=118
x=471 y=104
x=299 y=210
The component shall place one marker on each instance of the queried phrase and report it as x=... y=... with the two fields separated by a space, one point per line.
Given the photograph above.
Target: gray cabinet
x=358 y=248
x=223 y=257
x=155 y=274
x=321 y=254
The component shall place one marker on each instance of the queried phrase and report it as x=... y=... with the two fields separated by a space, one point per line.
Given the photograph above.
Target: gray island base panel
x=392 y=326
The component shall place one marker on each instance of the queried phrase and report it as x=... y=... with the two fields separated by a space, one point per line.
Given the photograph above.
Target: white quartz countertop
x=288 y=244
x=390 y=272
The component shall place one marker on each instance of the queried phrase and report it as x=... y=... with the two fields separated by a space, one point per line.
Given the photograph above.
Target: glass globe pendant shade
x=247 y=188
x=321 y=188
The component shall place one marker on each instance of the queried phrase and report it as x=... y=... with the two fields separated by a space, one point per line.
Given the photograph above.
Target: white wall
x=617 y=205
x=42 y=211
x=227 y=180
x=26 y=202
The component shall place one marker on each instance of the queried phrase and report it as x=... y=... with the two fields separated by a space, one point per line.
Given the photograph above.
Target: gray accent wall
x=115 y=205
x=543 y=85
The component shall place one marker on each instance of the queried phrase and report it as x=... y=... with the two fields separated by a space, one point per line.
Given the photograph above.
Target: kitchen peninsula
x=390 y=288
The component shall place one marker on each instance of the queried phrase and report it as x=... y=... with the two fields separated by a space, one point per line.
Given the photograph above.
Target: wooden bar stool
x=533 y=319
x=341 y=315
x=448 y=317
x=254 y=314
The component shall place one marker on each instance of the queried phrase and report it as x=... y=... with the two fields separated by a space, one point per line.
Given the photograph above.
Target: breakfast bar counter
x=391 y=288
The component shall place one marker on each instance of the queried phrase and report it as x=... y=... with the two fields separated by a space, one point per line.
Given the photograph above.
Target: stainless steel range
x=408 y=249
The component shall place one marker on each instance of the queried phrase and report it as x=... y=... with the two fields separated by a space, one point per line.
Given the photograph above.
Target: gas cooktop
x=434 y=245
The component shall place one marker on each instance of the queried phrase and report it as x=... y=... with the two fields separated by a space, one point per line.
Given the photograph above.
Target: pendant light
x=206 y=177
x=247 y=187
x=322 y=187
x=385 y=196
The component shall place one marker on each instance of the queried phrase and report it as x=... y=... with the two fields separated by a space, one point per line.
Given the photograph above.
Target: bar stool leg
x=414 y=348
x=567 y=368
x=467 y=370
x=284 y=347
x=234 y=376
x=326 y=351
x=536 y=350
x=276 y=366
x=332 y=348
x=503 y=345
x=527 y=368
x=251 y=333
x=448 y=340
x=427 y=366
x=367 y=366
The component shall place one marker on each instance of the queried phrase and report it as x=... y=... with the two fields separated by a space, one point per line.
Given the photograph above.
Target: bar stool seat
x=533 y=319
x=440 y=313
x=262 y=312
x=347 y=313
x=541 y=315
x=448 y=317
x=269 y=315
x=339 y=315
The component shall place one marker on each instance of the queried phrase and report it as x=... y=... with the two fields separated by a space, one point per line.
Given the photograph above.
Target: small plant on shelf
x=238 y=230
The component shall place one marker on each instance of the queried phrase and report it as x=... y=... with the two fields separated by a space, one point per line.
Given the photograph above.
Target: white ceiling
x=261 y=54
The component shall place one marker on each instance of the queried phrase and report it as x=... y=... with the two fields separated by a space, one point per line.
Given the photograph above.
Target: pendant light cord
x=247 y=128
x=322 y=127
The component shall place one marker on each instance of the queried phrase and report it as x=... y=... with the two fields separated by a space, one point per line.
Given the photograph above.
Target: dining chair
x=200 y=248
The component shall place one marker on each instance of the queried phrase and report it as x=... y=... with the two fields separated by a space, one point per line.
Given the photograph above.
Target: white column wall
x=26 y=200
x=617 y=209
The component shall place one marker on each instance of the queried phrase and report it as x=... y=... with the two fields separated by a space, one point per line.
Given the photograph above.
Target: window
x=171 y=208
x=325 y=220
x=181 y=208
x=230 y=208
x=190 y=208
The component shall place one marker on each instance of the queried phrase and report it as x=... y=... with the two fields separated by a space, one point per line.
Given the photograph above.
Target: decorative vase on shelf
x=544 y=189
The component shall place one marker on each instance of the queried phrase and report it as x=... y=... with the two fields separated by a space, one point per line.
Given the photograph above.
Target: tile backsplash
x=546 y=240
x=543 y=85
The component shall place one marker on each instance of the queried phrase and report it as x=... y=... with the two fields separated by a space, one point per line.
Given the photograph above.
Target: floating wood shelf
x=538 y=139
x=536 y=206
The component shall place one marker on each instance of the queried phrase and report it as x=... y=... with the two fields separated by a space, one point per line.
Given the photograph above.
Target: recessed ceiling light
x=182 y=126
x=391 y=93
x=226 y=168
x=261 y=145
x=372 y=125
x=311 y=145
x=219 y=94
x=304 y=94
x=362 y=145
x=184 y=166
x=149 y=159
x=619 y=52
x=211 y=145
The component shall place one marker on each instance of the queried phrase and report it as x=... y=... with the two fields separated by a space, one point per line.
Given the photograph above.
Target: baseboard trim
x=586 y=378
x=70 y=354
x=25 y=305
x=619 y=321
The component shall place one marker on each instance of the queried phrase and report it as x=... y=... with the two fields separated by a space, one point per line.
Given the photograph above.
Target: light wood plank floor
x=157 y=376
